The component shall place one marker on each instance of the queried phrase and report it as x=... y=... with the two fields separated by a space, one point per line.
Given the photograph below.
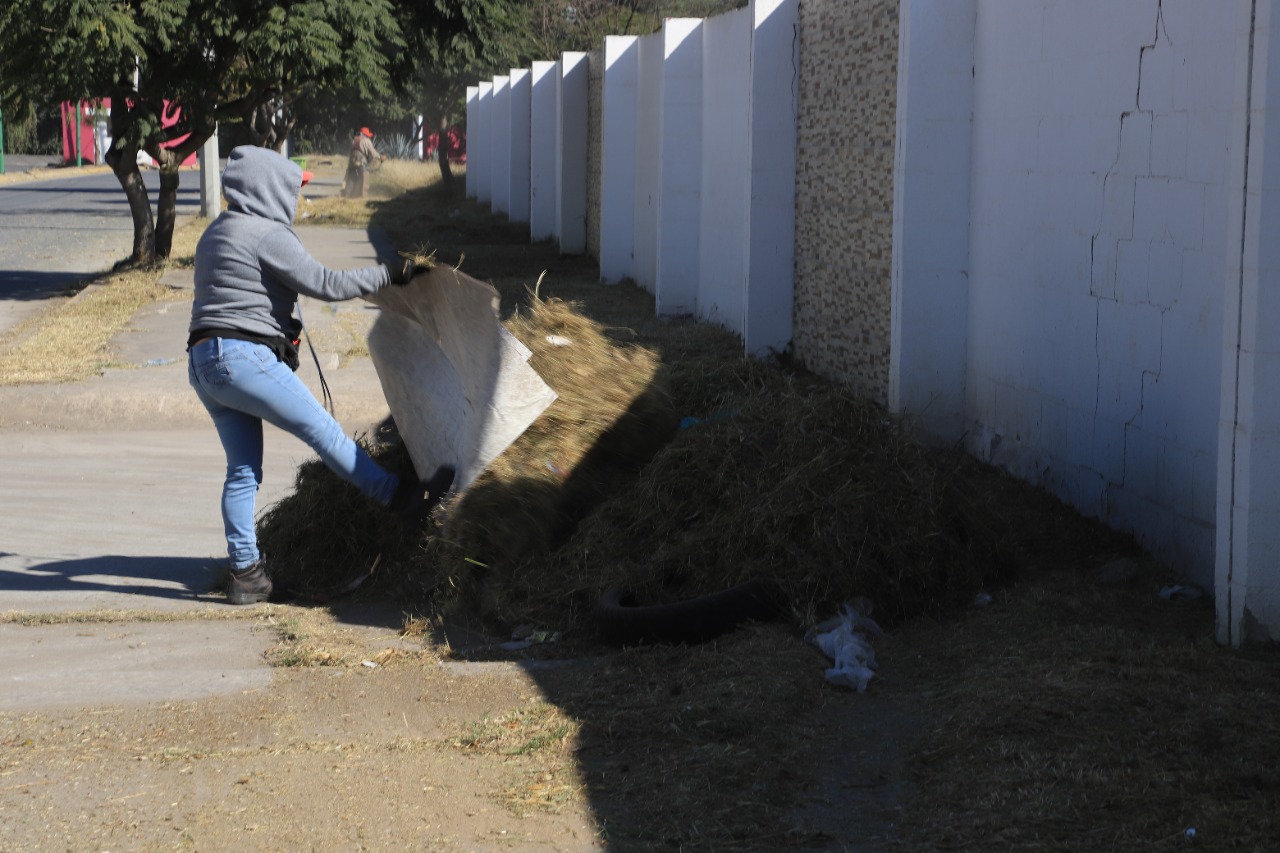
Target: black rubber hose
x=696 y=620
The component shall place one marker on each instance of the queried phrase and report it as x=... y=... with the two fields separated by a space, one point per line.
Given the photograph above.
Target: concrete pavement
x=110 y=489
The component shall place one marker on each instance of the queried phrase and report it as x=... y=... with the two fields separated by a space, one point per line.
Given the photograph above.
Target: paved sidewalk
x=111 y=489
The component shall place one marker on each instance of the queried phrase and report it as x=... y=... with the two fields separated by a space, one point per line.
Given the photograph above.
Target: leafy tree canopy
x=220 y=60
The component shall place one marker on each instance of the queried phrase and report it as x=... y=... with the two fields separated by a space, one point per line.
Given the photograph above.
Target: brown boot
x=249 y=586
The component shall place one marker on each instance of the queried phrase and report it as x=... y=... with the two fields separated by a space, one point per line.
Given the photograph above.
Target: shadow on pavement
x=27 y=285
x=156 y=577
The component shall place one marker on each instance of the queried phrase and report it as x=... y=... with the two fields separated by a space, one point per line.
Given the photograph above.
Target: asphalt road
x=55 y=232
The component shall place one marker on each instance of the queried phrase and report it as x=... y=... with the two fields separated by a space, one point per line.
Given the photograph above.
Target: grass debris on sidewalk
x=70 y=341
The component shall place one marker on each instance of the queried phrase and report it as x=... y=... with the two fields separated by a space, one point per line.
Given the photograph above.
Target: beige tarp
x=458 y=384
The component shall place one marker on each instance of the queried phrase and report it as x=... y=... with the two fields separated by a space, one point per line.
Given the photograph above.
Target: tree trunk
x=166 y=210
x=123 y=160
x=170 y=160
x=442 y=153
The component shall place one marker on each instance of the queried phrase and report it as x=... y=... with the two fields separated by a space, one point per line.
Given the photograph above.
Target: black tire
x=621 y=622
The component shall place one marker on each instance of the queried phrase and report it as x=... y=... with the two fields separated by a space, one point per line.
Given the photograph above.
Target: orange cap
x=307 y=176
x=366 y=132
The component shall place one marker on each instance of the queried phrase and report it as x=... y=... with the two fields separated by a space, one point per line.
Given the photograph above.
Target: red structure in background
x=88 y=148
x=456 y=142
x=88 y=138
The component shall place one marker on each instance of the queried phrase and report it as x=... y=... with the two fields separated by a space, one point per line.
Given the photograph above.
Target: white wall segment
x=1096 y=258
x=771 y=239
x=544 y=77
x=618 y=158
x=473 y=109
x=500 y=134
x=571 y=153
x=725 y=155
x=648 y=164
x=1248 y=513
x=480 y=144
x=521 y=94
x=680 y=176
x=930 y=278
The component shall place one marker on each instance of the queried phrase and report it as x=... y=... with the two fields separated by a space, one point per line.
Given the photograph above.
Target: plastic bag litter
x=844 y=639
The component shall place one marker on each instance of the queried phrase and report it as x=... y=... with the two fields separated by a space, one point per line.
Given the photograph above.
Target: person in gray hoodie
x=250 y=268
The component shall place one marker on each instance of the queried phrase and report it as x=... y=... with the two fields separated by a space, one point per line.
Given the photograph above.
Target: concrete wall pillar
x=480 y=145
x=726 y=157
x=680 y=180
x=648 y=161
x=772 y=225
x=500 y=136
x=618 y=157
x=473 y=109
x=571 y=153
x=521 y=94
x=1247 y=571
x=544 y=77
x=929 y=325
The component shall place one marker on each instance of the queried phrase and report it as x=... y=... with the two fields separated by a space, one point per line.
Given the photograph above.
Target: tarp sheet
x=458 y=384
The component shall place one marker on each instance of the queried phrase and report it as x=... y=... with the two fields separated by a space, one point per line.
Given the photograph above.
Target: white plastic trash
x=844 y=639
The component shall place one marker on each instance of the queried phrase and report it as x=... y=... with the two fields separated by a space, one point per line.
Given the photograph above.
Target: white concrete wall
x=618 y=157
x=480 y=144
x=500 y=145
x=725 y=155
x=571 y=153
x=521 y=95
x=544 y=78
x=473 y=121
x=1098 y=240
x=660 y=186
x=680 y=167
x=771 y=238
x=648 y=163
x=1248 y=512
x=930 y=281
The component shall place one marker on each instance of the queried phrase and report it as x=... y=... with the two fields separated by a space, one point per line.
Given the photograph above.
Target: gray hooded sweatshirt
x=250 y=264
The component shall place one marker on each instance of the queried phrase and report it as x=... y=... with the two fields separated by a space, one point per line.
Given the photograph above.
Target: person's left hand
x=401 y=273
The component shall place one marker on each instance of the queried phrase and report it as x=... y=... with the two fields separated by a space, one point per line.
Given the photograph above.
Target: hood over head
x=260 y=182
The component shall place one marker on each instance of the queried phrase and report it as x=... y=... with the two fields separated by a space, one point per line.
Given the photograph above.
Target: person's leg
x=259 y=385
x=241 y=437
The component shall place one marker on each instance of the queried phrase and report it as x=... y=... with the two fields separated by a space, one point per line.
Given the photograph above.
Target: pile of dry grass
x=610 y=415
x=778 y=475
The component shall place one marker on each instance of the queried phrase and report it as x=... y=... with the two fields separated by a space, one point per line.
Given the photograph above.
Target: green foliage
x=550 y=27
x=221 y=60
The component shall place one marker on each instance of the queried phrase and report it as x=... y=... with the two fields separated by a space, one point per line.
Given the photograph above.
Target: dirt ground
x=1074 y=709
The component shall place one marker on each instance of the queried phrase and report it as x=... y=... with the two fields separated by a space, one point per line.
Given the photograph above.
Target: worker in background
x=362 y=154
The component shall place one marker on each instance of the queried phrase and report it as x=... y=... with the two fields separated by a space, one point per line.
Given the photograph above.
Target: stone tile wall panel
x=844 y=189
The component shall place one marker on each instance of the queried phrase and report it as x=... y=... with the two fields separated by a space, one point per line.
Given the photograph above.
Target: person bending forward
x=250 y=268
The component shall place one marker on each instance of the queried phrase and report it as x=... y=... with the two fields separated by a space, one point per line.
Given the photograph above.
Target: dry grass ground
x=1073 y=712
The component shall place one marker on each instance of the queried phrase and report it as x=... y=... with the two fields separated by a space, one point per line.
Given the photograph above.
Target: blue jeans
x=243 y=384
